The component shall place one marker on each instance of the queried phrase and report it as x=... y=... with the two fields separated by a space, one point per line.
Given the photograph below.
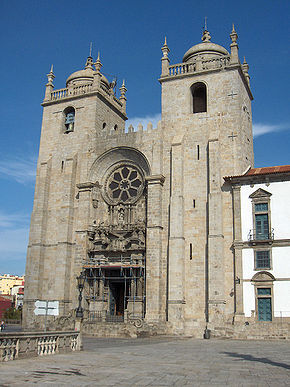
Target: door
x=262 y=226
x=264 y=309
x=117 y=298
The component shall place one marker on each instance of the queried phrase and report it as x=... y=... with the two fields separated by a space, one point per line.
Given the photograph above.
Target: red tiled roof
x=3 y=298
x=262 y=171
x=267 y=170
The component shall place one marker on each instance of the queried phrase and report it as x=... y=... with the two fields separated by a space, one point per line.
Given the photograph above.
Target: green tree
x=12 y=314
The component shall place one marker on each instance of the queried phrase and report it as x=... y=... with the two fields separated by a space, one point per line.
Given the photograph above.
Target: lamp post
x=81 y=282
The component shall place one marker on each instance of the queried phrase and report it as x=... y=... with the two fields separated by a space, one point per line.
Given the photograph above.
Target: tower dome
x=207 y=49
x=86 y=76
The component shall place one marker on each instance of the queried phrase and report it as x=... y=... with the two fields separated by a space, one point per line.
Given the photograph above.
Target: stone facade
x=146 y=214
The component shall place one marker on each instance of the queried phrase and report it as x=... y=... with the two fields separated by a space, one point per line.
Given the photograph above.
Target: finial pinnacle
x=91 y=47
x=234 y=35
x=123 y=92
x=206 y=36
x=98 y=64
x=50 y=77
x=205 y=23
x=165 y=49
x=89 y=63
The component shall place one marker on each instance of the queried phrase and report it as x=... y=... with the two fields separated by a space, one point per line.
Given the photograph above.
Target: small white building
x=262 y=243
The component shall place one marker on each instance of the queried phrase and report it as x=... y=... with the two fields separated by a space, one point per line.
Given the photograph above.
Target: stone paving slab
x=157 y=362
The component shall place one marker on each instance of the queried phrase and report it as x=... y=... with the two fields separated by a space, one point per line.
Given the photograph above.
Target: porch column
x=153 y=246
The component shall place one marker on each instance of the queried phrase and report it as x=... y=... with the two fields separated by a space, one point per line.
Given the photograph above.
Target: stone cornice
x=249 y=245
x=87 y=186
x=155 y=179
x=257 y=179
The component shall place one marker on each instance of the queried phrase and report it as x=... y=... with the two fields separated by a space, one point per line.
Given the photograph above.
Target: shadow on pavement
x=264 y=360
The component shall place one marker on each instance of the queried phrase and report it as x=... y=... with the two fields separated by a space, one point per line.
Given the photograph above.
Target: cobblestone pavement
x=157 y=362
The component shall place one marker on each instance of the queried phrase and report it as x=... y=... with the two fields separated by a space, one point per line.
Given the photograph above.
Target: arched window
x=199 y=99
x=69 y=119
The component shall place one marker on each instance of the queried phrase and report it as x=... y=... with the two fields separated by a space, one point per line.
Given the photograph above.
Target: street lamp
x=81 y=283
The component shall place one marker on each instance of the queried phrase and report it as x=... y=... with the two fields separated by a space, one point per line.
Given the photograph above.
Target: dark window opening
x=199 y=99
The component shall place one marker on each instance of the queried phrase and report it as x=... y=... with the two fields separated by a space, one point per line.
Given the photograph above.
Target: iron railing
x=254 y=236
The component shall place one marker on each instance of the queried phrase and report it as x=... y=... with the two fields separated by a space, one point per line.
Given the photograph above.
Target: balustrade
x=79 y=90
x=59 y=94
x=13 y=346
x=202 y=65
x=83 y=89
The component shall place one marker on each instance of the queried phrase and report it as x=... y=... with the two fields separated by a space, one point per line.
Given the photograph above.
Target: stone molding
x=249 y=245
x=155 y=179
x=87 y=186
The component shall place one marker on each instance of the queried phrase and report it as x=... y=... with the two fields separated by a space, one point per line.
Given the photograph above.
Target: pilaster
x=153 y=250
x=176 y=241
x=216 y=277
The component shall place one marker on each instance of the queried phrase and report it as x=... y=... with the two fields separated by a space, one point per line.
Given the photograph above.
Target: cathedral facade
x=144 y=217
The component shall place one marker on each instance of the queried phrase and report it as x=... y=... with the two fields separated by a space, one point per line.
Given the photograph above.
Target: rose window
x=125 y=184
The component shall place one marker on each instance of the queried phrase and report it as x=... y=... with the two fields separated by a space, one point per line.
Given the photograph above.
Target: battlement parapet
x=131 y=130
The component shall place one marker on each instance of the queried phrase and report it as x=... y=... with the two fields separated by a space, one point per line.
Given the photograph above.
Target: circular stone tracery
x=124 y=184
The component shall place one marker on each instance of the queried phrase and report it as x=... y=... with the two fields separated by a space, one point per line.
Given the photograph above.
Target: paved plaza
x=159 y=361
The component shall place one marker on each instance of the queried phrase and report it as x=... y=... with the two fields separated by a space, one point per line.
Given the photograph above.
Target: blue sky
x=128 y=34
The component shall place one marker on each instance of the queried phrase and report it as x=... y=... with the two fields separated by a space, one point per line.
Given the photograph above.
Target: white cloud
x=260 y=129
x=19 y=169
x=10 y=220
x=144 y=121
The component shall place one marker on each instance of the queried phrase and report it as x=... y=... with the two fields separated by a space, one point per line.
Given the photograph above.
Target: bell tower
x=207 y=121
x=76 y=120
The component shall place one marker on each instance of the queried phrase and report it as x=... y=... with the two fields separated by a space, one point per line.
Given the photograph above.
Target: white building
x=262 y=243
